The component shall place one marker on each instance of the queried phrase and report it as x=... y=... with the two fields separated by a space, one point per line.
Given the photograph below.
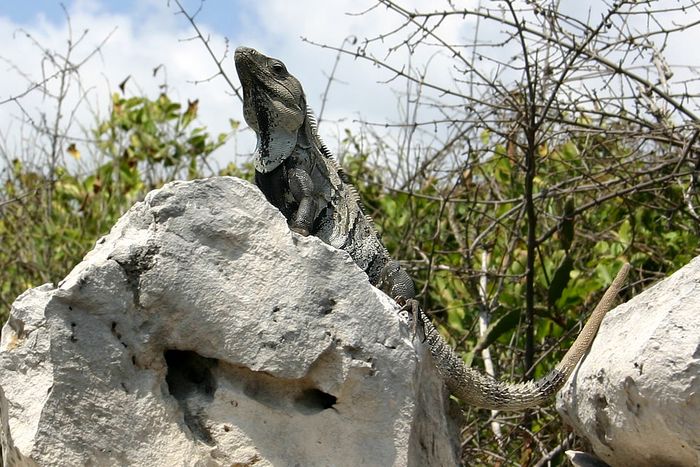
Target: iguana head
x=273 y=105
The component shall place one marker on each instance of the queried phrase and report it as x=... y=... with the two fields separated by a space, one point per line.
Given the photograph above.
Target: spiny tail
x=480 y=390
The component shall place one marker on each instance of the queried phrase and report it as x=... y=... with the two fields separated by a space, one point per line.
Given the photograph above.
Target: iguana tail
x=479 y=390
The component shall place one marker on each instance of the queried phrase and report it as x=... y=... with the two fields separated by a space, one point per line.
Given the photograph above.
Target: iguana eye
x=278 y=68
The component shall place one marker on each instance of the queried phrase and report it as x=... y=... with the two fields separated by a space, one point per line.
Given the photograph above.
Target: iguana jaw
x=274 y=106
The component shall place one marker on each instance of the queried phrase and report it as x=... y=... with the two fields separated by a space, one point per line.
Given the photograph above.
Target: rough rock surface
x=636 y=396
x=201 y=331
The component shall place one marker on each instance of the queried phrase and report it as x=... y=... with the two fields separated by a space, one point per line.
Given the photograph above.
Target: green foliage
x=152 y=140
x=581 y=246
x=560 y=280
x=46 y=227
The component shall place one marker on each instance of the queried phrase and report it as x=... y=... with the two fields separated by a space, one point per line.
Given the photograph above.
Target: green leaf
x=566 y=230
x=624 y=233
x=69 y=188
x=485 y=136
x=560 y=280
x=497 y=328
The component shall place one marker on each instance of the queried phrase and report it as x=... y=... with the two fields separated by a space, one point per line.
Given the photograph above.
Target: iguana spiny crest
x=297 y=174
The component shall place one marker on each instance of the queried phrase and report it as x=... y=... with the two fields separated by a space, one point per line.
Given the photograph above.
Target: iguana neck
x=270 y=152
x=276 y=146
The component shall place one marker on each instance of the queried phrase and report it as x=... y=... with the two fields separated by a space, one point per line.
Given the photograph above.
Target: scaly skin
x=299 y=176
x=480 y=390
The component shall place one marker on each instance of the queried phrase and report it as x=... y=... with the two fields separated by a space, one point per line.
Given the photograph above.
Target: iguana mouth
x=248 y=70
x=245 y=61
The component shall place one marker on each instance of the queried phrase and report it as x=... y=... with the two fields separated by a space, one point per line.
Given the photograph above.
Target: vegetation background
x=512 y=206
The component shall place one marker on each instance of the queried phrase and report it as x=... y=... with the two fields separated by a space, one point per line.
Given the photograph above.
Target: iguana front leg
x=302 y=189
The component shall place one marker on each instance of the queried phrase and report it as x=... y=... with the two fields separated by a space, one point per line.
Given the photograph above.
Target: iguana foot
x=412 y=306
x=300 y=230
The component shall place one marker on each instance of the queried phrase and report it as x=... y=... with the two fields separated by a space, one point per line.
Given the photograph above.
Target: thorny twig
x=205 y=41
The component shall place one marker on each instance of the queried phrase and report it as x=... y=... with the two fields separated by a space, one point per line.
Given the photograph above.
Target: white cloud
x=138 y=44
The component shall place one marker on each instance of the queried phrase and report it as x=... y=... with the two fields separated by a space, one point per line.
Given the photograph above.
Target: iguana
x=298 y=175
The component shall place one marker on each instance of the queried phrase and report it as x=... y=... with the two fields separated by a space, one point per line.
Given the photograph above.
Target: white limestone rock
x=201 y=331
x=636 y=396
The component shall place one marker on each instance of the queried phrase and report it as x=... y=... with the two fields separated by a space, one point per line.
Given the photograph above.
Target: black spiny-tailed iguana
x=298 y=175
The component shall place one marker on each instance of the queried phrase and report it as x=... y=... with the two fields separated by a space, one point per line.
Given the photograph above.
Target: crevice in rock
x=191 y=382
x=72 y=332
x=313 y=400
x=136 y=264
x=118 y=335
x=602 y=422
x=328 y=305
x=291 y=395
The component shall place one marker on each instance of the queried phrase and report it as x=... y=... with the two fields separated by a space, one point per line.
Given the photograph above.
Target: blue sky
x=222 y=15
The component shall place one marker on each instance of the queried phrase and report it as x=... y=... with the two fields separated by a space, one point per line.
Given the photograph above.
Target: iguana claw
x=412 y=306
x=300 y=230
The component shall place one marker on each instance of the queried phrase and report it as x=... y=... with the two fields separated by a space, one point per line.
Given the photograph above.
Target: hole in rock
x=191 y=382
x=314 y=400
x=328 y=305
